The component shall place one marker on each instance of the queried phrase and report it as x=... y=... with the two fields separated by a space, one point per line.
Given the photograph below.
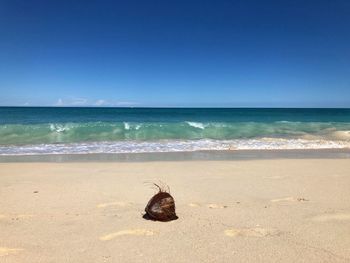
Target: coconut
x=161 y=207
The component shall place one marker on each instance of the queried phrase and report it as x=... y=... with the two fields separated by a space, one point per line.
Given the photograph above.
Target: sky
x=175 y=53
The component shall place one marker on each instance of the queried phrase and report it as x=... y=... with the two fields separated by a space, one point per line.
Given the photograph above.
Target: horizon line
x=173 y=107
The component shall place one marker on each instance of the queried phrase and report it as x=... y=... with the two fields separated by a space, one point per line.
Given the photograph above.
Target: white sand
x=229 y=211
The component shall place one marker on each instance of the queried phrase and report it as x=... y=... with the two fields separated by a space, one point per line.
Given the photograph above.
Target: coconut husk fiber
x=161 y=207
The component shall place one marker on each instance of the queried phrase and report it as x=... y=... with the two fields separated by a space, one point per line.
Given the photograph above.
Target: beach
x=175 y=132
x=255 y=210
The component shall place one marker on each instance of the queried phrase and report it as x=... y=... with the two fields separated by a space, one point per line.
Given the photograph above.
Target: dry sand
x=229 y=211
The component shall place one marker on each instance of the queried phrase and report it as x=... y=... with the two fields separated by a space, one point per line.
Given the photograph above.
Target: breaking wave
x=129 y=137
x=172 y=146
x=196 y=124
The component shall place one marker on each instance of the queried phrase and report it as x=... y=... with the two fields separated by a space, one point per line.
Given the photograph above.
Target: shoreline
x=183 y=156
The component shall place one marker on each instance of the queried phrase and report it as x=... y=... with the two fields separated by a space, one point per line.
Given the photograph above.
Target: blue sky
x=175 y=53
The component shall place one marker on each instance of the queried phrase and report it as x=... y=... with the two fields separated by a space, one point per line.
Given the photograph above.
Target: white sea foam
x=126 y=126
x=58 y=128
x=172 y=146
x=196 y=124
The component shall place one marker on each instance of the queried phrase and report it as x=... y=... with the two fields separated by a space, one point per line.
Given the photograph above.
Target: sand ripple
x=252 y=232
x=5 y=251
x=132 y=232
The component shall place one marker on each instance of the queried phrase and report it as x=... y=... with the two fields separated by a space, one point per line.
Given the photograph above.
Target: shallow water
x=30 y=130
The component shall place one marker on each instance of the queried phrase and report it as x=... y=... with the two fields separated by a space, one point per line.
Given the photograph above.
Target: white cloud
x=59 y=103
x=71 y=102
x=125 y=103
x=101 y=103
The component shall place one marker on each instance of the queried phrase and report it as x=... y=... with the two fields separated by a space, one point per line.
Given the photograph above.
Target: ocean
x=50 y=130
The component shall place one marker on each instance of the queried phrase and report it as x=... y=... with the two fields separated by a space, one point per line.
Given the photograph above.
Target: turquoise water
x=110 y=130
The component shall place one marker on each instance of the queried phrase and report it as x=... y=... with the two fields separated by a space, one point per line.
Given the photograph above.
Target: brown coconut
x=161 y=207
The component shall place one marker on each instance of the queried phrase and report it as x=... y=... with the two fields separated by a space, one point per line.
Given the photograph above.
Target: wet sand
x=273 y=210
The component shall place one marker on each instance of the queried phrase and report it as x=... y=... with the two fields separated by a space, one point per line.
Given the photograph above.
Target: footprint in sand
x=332 y=217
x=252 y=232
x=193 y=205
x=25 y=216
x=5 y=251
x=19 y=216
x=128 y=232
x=116 y=203
x=212 y=206
x=216 y=206
x=289 y=199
